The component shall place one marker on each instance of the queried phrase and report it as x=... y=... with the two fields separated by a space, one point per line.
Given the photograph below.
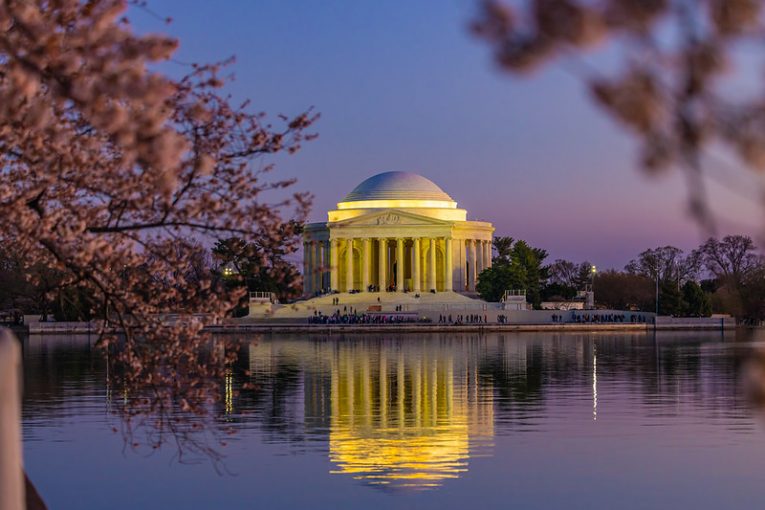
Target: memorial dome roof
x=397 y=186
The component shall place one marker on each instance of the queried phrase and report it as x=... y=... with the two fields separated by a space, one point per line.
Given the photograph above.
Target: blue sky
x=404 y=86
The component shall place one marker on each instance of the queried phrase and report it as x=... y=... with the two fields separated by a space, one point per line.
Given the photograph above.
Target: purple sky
x=403 y=86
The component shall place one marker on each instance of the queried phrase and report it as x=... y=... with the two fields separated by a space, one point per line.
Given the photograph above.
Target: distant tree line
x=720 y=276
x=230 y=264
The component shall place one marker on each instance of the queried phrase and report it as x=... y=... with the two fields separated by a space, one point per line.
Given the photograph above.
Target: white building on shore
x=396 y=231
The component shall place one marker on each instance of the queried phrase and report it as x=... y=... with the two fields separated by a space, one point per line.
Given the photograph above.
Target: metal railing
x=262 y=296
x=514 y=295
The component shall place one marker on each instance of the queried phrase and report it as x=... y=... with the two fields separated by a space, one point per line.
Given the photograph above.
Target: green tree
x=494 y=281
x=670 y=299
x=531 y=260
x=696 y=301
x=503 y=245
x=516 y=266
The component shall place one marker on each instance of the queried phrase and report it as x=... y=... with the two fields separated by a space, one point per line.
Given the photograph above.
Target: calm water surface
x=411 y=421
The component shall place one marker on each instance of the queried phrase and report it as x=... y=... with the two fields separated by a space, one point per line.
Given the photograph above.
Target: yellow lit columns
x=382 y=262
x=333 y=265
x=400 y=265
x=349 y=265
x=462 y=284
x=325 y=274
x=431 y=264
x=471 y=263
x=448 y=272
x=416 y=278
x=479 y=258
x=365 y=269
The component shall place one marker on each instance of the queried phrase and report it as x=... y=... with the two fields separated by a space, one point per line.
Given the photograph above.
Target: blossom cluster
x=112 y=174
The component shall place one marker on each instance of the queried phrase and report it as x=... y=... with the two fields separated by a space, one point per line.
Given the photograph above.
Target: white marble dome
x=397 y=186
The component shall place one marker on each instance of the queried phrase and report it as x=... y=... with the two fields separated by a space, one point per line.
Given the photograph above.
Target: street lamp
x=593 y=270
x=657 y=293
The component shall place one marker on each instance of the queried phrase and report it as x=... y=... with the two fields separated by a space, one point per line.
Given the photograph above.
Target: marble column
x=325 y=283
x=400 y=265
x=489 y=253
x=423 y=265
x=431 y=264
x=311 y=255
x=349 y=265
x=471 y=262
x=478 y=257
x=365 y=270
x=461 y=262
x=448 y=271
x=416 y=277
x=382 y=270
x=318 y=267
x=334 y=270
x=306 y=268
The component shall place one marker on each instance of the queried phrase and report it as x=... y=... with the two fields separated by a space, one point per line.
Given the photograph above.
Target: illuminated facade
x=396 y=231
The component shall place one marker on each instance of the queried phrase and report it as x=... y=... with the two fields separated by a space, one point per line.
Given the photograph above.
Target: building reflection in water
x=594 y=384
x=398 y=414
x=228 y=393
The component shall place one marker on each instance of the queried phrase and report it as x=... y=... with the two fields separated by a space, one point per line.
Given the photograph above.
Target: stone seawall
x=62 y=328
x=265 y=328
x=692 y=323
x=282 y=326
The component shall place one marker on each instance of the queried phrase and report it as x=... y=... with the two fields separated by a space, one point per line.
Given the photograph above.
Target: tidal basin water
x=423 y=421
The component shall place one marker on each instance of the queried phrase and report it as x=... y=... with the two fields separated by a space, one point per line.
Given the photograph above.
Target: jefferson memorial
x=396 y=231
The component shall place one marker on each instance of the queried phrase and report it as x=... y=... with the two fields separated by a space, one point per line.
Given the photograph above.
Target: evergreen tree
x=670 y=299
x=517 y=266
x=697 y=302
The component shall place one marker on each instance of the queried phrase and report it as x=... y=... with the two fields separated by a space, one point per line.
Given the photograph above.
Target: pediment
x=393 y=218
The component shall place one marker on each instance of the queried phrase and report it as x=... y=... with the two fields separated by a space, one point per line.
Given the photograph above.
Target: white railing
x=258 y=296
x=455 y=307
x=514 y=295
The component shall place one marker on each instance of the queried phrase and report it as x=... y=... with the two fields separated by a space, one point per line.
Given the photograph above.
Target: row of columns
x=321 y=271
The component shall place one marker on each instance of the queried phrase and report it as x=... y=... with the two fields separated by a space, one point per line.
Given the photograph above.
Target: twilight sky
x=402 y=85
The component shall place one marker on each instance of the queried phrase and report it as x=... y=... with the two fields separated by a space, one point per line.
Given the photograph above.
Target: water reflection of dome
x=397 y=415
x=415 y=458
x=402 y=422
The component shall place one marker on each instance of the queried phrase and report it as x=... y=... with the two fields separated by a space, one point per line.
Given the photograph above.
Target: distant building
x=396 y=231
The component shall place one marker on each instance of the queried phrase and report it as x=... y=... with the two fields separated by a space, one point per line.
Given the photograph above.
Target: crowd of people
x=472 y=318
x=608 y=318
x=349 y=315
